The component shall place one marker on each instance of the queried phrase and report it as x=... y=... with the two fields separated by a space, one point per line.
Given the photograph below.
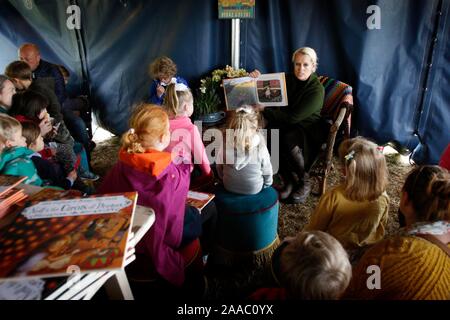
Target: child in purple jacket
x=161 y=185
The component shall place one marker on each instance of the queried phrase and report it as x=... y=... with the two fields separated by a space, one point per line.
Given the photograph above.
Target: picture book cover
x=267 y=90
x=199 y=200
x=58 y=231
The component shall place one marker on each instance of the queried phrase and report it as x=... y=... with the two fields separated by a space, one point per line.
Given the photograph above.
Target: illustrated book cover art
x=60 y=230
x=199 y=200
x=267 y=90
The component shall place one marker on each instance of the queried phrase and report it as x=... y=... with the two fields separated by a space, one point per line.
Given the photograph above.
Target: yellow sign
x=235 y=9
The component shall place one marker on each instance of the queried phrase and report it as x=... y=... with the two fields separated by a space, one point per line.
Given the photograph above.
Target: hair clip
x=350 y=156
x=245 y=109
x=181 y=87
x=132 y=131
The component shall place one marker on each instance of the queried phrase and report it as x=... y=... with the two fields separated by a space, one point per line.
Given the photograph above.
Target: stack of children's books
x=10 y=195
x=60 y=229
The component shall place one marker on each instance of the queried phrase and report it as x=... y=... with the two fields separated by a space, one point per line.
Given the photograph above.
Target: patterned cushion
x=336 y=92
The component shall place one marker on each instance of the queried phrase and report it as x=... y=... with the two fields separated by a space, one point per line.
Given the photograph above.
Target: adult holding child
x=414 y=264
x=302 y=130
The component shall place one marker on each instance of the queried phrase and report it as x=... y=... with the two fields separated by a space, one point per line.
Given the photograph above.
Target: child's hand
x=72 y=175
x=160 y=90
x=46 y=126
x=55 y=129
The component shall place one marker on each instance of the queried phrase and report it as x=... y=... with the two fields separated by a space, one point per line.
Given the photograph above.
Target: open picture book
x=267 y=90
x=59 y=230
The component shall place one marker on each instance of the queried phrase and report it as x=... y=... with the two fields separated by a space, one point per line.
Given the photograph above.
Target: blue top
x=154 y=97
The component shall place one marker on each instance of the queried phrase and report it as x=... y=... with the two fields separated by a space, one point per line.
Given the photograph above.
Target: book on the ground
x=267 y=90
x=199 y=200
x=60 y=230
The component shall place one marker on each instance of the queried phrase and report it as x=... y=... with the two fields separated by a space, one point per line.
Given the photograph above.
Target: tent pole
x=235 y=42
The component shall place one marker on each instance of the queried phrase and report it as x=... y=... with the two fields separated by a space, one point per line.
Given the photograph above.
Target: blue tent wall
x=388 y=68
x=117 y=42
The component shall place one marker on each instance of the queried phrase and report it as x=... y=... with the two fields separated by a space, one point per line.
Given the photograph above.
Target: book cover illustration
x=199 y=200
x=267 y=90
x=48 y=237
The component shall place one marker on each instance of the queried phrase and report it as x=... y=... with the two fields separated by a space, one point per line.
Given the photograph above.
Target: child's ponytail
x=244 y=123
x=130 y=142
x=171 y=100
x=176 y=95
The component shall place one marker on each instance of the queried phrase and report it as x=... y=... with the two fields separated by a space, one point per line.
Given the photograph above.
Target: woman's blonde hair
x=8 y=127
x=174 y=100
x=244 y=122
x=365 y=167
x=315 y=266
x=428 y=189
x=163 y=67
x=147 y=124
x=310 y=52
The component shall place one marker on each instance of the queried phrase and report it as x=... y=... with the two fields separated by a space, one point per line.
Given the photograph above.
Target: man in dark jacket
x=30 y=54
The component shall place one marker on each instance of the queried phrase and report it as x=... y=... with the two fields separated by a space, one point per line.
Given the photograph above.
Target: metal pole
x=235 y=42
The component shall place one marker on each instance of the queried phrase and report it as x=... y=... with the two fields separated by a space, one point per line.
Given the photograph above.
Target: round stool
x=246 y=227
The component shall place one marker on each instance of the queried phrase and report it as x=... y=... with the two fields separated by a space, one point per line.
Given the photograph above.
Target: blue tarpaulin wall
x=400 y=73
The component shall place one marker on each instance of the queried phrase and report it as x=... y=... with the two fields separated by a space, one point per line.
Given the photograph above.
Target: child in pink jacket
x=186 y=140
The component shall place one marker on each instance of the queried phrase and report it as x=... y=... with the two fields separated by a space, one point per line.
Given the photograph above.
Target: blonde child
x=14 y=158
x=163 y=71
x=185 y=137
x=415 y=263
x=356 y=211
x=244 y=164
x=311 y=266
x=145 y=167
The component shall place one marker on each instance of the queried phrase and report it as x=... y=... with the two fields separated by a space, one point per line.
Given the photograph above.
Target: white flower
x=203 y=90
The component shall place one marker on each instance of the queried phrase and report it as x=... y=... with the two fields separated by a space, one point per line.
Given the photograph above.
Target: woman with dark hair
x=415 y=264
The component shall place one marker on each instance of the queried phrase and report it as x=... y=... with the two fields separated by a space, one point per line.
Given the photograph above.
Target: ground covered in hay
x=223 y=284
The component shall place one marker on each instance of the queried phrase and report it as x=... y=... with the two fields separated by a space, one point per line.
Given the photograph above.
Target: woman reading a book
x=302 y=130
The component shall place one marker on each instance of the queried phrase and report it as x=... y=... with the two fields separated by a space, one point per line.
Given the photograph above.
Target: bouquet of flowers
x=209 y=96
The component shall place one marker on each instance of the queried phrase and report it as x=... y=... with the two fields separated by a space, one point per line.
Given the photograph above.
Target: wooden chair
x=337 y=110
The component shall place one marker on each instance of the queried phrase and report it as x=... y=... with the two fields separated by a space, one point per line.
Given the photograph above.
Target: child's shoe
x=86 y=175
